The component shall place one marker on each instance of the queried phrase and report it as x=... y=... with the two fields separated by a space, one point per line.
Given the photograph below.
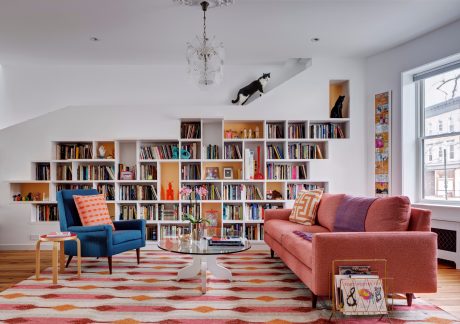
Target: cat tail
x=237 y=99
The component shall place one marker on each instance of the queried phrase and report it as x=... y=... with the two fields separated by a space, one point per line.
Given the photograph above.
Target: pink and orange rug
x=263 y=291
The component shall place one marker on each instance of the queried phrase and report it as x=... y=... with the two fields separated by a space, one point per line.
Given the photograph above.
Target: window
x=439 y=98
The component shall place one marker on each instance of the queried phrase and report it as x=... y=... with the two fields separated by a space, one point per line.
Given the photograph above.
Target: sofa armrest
x=83 y=232
x=135 y=224
x=411 y=257
x=86 y=229
x=282 y=214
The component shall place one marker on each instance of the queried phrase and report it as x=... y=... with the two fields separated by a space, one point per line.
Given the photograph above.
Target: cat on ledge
x=246 y=92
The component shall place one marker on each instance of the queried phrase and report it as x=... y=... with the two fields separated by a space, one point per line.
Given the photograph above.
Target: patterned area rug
x=263 y=291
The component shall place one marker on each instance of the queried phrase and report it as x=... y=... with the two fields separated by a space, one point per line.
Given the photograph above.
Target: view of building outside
x=442 y=137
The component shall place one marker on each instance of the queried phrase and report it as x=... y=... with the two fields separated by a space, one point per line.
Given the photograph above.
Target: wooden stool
x=58 y=243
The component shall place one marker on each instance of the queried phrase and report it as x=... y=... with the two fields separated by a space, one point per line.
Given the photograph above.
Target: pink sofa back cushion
x=388 y=214
x=327 y=209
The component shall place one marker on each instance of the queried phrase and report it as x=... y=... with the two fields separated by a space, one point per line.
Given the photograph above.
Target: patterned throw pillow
x=93 y=210
x=305 y=207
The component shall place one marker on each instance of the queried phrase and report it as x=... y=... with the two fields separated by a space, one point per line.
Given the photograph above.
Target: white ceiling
x=155 y=31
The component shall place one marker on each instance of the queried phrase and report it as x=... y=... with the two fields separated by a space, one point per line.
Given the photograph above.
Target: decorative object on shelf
x=170 y=192
x=382 y=106
x=228 y=173
x=212 y=173
x=211 y=218
x=257 y=132
x=17 y=197
x=205 y=56
x=228 y=134
x=126 y=174
x=276 y=195
x=336 y=111
x=246 y=92
x=258 y=175
x=101 y=152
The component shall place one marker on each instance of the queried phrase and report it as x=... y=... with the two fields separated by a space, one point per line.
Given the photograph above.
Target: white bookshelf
x=127 y=153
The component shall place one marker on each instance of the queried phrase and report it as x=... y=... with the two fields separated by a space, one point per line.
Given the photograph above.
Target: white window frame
x=420 y=104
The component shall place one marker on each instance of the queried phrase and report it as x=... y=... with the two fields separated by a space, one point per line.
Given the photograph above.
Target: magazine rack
x=363 y=294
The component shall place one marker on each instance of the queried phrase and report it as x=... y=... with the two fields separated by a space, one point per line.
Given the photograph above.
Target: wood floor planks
x=16 y=266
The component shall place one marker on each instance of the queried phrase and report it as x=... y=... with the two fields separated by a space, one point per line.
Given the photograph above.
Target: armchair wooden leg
x=138 y=255
x=314 y=300
x=68 y=261
x=409 y=297
x=272 y=253
x=110 y=264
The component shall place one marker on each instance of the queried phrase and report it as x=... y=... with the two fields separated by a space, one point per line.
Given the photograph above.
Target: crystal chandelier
x=205 y=57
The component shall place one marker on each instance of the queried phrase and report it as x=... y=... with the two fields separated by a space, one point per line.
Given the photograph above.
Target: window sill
x=435 y=204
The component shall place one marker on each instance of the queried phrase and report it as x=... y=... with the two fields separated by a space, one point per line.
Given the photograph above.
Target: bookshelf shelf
x=150 y=168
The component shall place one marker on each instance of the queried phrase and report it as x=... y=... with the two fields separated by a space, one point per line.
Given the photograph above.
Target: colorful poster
x=362 y=296
x=382 y=106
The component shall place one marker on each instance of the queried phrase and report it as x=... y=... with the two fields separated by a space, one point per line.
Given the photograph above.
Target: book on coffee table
x=216 y=241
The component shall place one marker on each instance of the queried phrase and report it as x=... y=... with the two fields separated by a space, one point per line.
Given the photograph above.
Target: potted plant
x=196 y=221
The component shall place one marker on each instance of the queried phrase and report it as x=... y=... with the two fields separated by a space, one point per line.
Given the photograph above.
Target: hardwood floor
x=16 y=266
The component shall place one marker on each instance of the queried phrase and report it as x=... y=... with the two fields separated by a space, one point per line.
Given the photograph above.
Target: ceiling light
x=211 y=3
x=94 y=39
x=314 y=40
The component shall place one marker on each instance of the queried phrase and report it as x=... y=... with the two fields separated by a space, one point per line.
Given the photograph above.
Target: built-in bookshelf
x=246 y=168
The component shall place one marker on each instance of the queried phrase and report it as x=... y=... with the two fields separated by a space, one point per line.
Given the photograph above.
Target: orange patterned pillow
x=305 y=207
x=93 y=210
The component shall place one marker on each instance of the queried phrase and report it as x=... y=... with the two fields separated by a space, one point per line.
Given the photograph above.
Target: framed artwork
x=212 y=173
x=382 y=144
x=228 y=173
x=363 y=296
x=212 y=216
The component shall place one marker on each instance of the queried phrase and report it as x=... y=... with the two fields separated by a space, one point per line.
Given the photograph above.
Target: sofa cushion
x=299 y=247
x=276 y=228
x=327 y=209
x=125 y=236
x=388 y=214
x=93 y=210
x=306 y=206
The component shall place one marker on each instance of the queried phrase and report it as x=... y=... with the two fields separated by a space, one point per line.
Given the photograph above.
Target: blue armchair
x=98 y=240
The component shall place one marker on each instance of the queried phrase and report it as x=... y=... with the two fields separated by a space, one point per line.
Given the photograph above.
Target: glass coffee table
x=204 y=258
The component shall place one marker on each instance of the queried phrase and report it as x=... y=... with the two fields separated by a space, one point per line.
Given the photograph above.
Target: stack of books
x=217 y=241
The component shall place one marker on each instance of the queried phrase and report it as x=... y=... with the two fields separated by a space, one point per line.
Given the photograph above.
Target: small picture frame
x=228 y=173
x=212 y=173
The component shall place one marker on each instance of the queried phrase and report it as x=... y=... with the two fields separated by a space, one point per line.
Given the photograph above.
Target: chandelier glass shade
x=205 y=57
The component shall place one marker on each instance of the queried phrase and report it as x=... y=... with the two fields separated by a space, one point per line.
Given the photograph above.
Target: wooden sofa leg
x=272 y=253
x=138 y=255
x=409 y=297
x=110 y=264
x=314 y=300
x=68 y=261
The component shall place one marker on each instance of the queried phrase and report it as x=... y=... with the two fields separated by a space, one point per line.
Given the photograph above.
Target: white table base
x=203 y=263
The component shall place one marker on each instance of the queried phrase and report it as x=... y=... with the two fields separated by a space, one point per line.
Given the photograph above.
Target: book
x=58 y=234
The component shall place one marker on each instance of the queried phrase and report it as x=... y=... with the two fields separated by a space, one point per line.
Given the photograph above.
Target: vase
x=196 y=232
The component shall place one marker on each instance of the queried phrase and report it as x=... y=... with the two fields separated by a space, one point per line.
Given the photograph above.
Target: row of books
x=212 y=152
x=68 y=186
x=293 y=189
x=275 y=130
x=286 y=171
x=232 y=212
x=326 y=131
x=171 y=230
x=253 y=193
x=232 y=192
x=148 y=172
x=137 y=192
x=95 y=172
x=191 y=209
x=256 y=211
x=191 y=172
x=158 y=152
x=64 y=172
x=46 y=213
x=42 y=171
x=304 y=151
x=232 y=151
x=275 y=152
x=233 y=230
x=108 y=190
x=193 y=149
x=252 y=232
x=296 y=130
x=213 y=192
x=128 y=212
x=74 y=151
x=190 y=130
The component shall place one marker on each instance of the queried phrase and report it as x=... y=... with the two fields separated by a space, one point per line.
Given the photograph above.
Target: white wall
x=146 y=102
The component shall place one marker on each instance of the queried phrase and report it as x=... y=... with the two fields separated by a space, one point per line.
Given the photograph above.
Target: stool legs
x=61 y=258
x=78 y=258
x=37 y=260
x=55 y=261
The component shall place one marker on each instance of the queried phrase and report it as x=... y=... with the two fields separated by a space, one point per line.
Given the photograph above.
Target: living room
x=242 y=155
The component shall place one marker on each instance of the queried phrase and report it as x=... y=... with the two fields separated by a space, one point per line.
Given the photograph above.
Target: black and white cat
x=247 y=91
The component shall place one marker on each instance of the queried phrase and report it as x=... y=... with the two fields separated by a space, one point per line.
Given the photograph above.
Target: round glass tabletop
x=201 y=247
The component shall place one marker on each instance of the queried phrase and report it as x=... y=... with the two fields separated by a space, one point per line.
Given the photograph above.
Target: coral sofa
x=393 y=231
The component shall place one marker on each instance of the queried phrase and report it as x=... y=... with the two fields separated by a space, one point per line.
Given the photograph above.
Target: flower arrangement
x=198 y=194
